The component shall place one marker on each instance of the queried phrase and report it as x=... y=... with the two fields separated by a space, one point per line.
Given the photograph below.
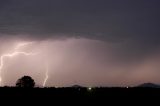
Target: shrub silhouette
x=26 y=82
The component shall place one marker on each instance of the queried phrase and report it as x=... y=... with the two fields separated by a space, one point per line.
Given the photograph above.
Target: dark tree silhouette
x=25 y=81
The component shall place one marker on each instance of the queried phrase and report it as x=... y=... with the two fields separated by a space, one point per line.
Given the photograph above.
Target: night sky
x=84 y=42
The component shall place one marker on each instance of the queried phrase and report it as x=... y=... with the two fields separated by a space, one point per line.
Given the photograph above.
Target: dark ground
x=79 y=95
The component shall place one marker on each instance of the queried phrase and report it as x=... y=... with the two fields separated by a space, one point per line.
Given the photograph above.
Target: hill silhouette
x=149 y=85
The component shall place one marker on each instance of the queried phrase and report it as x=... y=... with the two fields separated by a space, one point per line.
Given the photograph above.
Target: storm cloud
x=118 y=37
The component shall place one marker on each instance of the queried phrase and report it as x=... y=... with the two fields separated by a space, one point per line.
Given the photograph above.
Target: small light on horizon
x=89 y=88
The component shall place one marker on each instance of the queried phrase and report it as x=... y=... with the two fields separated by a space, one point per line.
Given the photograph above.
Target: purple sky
x=85 y=42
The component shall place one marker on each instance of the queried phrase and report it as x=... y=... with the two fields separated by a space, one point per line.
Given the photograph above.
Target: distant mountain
x=149 y=85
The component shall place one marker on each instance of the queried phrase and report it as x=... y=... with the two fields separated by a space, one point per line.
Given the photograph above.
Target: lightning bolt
x=15 y=53
x=46 y=75
x=20 y=45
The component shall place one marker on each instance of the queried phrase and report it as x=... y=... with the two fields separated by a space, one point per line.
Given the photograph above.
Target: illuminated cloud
x=89 y=42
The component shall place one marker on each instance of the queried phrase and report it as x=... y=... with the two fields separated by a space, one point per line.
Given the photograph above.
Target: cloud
x=134 y=22
x=95 y=19
x=119 y=33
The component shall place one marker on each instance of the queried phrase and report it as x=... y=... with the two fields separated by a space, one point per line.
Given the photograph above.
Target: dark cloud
x=116 y=40
x=131 y=26
x=99 y=19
